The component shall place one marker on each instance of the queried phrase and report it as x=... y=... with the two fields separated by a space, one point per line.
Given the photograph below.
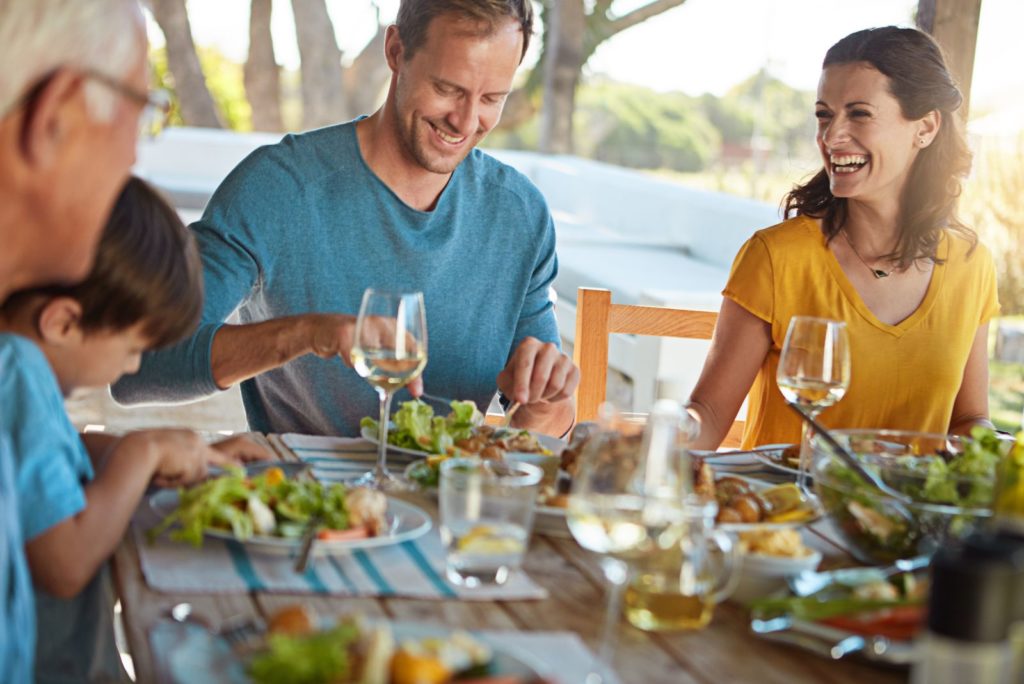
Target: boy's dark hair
x=147 y=270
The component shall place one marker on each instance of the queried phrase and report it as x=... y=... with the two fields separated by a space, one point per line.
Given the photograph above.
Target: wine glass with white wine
x=628 y=501
x=389 y=351
x=814 y=372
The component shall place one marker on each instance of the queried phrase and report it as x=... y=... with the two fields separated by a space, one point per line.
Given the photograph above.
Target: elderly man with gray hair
x=73 y=91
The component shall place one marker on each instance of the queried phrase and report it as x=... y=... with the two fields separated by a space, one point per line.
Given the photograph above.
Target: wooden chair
x=597 y=318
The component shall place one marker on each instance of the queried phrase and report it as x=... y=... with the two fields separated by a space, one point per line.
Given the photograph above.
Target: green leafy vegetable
x=416 y=427
x=312 y=659
x=224 y=503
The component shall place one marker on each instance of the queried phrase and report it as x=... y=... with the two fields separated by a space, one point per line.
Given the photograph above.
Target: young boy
x=76 y=499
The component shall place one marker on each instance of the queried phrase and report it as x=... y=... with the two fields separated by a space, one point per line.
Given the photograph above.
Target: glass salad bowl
x=949 y=479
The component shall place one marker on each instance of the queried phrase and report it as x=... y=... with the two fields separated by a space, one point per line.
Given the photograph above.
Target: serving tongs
x=853 y=462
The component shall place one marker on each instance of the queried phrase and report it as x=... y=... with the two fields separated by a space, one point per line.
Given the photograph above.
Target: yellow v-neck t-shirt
x=903 y=376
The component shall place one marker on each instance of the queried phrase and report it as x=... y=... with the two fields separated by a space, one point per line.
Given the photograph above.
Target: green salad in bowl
x=950 y=479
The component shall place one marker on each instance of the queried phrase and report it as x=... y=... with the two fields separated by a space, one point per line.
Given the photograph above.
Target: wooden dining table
x=725 y=651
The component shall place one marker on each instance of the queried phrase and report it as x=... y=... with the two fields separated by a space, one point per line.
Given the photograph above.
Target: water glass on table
x=486 y=518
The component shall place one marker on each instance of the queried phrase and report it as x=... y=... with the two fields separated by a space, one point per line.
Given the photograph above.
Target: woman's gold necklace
x=877 y=272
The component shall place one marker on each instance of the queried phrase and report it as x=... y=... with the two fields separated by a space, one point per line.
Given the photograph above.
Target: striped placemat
x=337 y=459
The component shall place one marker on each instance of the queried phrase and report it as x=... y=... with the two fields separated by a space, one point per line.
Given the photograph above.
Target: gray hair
x=39 y=36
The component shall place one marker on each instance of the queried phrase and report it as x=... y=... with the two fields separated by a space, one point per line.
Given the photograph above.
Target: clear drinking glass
x=389 y=351
x=814 y=372
x=486 y=518
x=628 y=500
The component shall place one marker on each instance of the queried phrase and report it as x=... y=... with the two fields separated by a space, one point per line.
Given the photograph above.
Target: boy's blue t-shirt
x=51 y=462
x=51 y=467
x=17 y=615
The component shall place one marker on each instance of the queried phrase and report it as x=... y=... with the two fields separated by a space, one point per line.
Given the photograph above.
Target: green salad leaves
x=308 y=659
x=416 y=427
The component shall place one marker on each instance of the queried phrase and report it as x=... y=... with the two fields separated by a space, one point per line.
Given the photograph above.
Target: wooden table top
x=723 y=652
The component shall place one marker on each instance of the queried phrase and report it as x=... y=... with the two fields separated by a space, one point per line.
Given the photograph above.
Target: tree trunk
x=954 y=25
x=564 y=37
x=197 y=107
x=366 y=78
x=323 y=95
x=262 y=76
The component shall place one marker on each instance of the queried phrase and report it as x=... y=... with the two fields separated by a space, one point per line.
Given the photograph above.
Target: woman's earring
x=921 y=141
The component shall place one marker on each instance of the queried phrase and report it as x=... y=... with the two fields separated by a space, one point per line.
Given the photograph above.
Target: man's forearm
x=240 y=352
x=555 y=419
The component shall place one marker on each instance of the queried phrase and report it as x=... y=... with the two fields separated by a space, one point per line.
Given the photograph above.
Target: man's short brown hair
x=414 y=17
x=147 y=270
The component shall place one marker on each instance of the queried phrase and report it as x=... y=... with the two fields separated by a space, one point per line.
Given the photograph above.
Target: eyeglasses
x=156 y=104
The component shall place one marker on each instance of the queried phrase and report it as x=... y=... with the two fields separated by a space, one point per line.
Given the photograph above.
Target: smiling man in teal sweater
x=398 y=200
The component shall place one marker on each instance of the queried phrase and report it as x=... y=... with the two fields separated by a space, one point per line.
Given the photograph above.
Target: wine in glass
x=628 y=500
x=814 y=371
x=390 y=350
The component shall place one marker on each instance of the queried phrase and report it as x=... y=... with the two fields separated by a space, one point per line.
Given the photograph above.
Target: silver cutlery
x=809 y=582
x=854 y=464
x=239 y=632
x=306 y=545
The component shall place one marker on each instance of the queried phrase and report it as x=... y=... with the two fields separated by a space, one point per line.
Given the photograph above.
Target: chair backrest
x=597 y=318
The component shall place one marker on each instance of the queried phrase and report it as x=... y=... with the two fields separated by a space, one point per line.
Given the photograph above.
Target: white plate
x=553 y=444
x=405 y=522
x=771 y=454
x=819 y=512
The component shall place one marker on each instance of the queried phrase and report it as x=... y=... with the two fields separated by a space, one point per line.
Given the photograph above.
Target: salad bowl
x=949 y=480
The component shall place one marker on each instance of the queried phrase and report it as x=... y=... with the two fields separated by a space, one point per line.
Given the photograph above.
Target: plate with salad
x=270 y=513
x=416 y=431
x=358 y=650
x=858 y=612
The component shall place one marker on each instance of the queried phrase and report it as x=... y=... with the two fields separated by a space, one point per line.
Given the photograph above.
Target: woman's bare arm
x=738 y=349
x=971 y=405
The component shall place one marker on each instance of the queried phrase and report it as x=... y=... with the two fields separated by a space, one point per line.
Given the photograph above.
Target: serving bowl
x=761 y=574
x=951 y=488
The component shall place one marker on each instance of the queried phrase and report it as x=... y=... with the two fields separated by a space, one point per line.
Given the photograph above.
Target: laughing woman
x=873 y=240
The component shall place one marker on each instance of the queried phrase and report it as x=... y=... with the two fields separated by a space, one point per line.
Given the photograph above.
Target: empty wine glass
x=814 y=371
x=628 y=500
x=389 y=351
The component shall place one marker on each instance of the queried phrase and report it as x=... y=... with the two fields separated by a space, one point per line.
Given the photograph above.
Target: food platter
x=882 y=635
x=404 y=522
x=811 y=504
x=192 y=657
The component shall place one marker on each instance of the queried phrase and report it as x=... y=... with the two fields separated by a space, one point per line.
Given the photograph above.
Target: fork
x=508 y=414
x=239 y=631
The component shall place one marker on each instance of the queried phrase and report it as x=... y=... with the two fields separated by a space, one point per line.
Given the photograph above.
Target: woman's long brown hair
x=919 y=79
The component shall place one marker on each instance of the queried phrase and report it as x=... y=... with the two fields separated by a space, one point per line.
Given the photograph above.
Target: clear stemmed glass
x=814 y=371
x=628 y=501
x=389 y=351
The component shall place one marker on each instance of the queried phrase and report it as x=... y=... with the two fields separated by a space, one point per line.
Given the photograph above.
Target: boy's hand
x=181 y=456
x=242 y=449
